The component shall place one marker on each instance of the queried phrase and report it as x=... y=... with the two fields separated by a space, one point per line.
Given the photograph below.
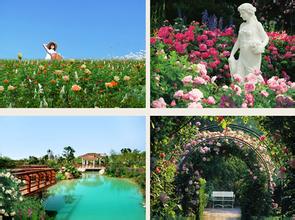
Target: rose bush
x=190 y=69
x=69 y=83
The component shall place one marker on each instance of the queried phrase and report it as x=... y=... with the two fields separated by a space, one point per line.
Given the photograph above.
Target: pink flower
x=179 y=36
x=213 y=52
x=179 y=47
x=168 y=41
x=199 y=80
x=173 y=103
x=226 y=67
x=213 y=65
x=153 y=40
x=189 y=35
x=209 y=43
x=164 y=32
x=178 y=94
x=202 y=37
x=195 y=105
x=237 y=89
x=250 y=99
x=288 y=55
x=188 y=79
x=244 y=105
x=226 y=53
x=197 y=53
x=201 y=68
x=205 y=55
x=249 y=87
x=237 y=78
x=211 y=100
x=203 y=47
x=264 y=93
x=160 y=103
x=228 y=32
x=195 y=95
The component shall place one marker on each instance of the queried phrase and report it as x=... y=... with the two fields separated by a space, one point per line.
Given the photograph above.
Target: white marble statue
x=251 y=41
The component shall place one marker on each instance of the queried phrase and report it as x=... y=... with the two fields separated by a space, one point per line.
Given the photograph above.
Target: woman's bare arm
x=47 y=50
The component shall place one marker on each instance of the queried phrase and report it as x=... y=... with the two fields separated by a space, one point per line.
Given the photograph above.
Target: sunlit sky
x=82 y=29
x=22 y=136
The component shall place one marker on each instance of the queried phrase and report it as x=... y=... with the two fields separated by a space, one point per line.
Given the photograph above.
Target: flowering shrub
x=189 y=67
x=79 y=84
x=9 y=193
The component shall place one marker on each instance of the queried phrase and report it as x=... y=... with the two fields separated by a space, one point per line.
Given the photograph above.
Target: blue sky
x=82 y=28
x=22 y=136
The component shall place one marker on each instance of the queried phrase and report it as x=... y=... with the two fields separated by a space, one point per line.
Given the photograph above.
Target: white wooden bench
x=223 y=199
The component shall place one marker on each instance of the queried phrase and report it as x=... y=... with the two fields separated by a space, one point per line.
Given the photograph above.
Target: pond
x=96 y=197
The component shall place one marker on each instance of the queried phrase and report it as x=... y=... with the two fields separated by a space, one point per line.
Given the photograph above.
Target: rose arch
x=213 y=140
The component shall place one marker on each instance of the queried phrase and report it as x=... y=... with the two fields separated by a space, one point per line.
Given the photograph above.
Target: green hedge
x=203 y=197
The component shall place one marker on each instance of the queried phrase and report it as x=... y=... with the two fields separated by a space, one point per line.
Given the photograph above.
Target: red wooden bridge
x=36 y=178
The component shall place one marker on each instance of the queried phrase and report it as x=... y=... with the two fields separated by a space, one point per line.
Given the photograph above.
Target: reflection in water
x=96 y=197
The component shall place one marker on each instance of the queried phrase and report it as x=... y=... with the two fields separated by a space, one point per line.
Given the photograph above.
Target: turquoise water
x=96 y=197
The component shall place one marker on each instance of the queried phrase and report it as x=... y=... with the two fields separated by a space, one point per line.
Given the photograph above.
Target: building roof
x=91 y=156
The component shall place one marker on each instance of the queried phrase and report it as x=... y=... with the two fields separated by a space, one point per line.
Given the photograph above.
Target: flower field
x=189 y=68
x=72 y=84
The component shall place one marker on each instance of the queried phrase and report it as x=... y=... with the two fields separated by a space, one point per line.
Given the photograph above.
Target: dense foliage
x=127 y=164
x=66 y=84
x=177 y=167
x=189 y=68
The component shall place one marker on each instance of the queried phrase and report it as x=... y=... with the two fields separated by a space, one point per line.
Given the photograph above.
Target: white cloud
x=132 y=56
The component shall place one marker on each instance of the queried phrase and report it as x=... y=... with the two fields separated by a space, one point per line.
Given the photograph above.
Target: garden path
x=222 y=214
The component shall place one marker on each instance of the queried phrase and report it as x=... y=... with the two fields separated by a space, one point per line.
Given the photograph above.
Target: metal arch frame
x=264 y=163
x=235 y=126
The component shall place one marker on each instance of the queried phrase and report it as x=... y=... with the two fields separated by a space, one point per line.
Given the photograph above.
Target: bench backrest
x=227 y=194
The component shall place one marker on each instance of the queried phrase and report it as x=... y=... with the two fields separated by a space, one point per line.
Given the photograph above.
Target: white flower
x=117 y=78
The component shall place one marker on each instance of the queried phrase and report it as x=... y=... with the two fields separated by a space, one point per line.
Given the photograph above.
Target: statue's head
x=246 y=11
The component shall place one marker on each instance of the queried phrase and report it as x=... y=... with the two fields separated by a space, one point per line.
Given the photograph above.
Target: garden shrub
x=189 y=68
x=203 y=197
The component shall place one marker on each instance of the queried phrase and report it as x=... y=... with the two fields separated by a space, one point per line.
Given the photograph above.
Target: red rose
x=162 y=155
x=158 y=170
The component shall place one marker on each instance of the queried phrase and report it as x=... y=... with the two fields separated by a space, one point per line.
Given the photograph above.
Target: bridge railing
x=35 y=180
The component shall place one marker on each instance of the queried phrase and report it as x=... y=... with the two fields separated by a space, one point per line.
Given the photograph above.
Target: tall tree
x=68 y=153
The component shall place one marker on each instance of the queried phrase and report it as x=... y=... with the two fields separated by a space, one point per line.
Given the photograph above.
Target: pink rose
x=173 y=103
x=213 y=52
x=226 y=53
x=153 y=40
x=201 y=68
x=237 y=89
x=203 y=47
x=179 y=36
x=249 y=87
x=164 y=32
x=209 y=43
x=160 y=103
x=250 y=99
x=205 y=55
x=211 y=100
x=195 y=105
x=199 y=81
x=178 y=94
x=179 y=47
x=244 y=105
x=237 y=78
x=195 y=95
x=187 y=79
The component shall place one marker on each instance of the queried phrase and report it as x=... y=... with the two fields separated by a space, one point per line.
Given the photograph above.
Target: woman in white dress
x=51 y=53
x=251 y=41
